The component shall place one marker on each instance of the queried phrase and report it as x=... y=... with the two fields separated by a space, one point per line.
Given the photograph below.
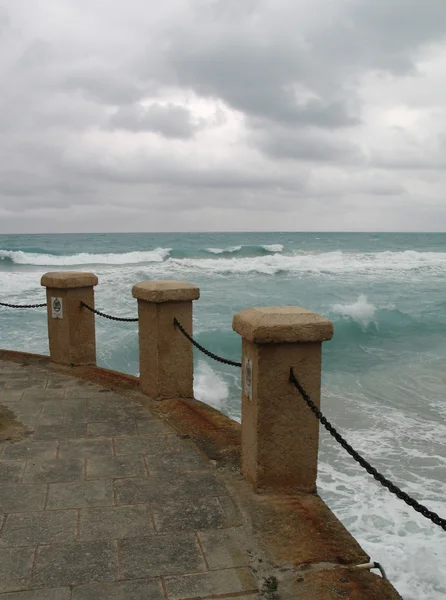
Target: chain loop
x=101 y=314
x=423 y=510
x=22 y=305
x=225 y=361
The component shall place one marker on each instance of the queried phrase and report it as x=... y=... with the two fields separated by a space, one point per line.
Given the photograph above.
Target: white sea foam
x=127 y=258
x=209 y=387
x=327 y=263
x=230 y=249
x=361 y=310
x=273 y=247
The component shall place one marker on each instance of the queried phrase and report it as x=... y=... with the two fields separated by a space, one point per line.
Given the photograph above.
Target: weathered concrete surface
x=282 y=324
x=142 y=512
x=165 y=355
x=72 y=339
x=165 y=291
x=280 y=436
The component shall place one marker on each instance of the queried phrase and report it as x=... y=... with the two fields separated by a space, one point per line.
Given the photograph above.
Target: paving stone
x=252 y=596
x=38 y=375
x=10 y=397
x=176 y=463
x=151 y=444
x=24 y=384
x=60 y=432
x=87 y=414
x=85 y=448
x=9 y=367
x=234 y=517
x=80 y=494
x=54 y=471
x=214 y=583
x=54 y=594
x=156 y=555
x=222 y=550
x=44 y=527
x=11 y=471
x=125 y=590
x=55 y=382
x=55 y=410
x=30 y=421
x=181 y=515
x=114 y=523
x=75 y=564
x=183 y=446
x=15 y=568
x=28 y=448
x=158 y=489
x=110 y=467
x=151 y=425
x=29 y=408
x=111 y=428
x=22 y=498
x=42 y=395
x=80 y=392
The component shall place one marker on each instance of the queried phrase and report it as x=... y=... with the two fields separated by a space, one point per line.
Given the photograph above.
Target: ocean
x=383 y=372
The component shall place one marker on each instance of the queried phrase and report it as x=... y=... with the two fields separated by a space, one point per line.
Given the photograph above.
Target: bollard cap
x=69 y=279
x=282 y=324
x=165 y=291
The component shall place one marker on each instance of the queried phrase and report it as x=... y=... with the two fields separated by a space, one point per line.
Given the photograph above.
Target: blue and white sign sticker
x=56 y=308
x=247 y=377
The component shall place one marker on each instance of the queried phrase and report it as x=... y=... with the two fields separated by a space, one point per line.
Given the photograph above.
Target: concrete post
x=165 y=356
x=71 y=328
x=279 y=432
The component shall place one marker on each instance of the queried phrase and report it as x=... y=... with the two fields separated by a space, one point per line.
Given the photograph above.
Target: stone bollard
x=166 y=361
x=71 y=328
x=279 y=432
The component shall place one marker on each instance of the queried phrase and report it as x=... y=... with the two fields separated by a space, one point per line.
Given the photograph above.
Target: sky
x=222 y=115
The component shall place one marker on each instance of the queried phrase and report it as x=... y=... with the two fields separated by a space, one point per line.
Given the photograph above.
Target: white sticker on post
x=247 y=377
x=56 y=308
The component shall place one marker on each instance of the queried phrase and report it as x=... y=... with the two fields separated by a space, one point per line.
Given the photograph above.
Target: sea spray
x=361 y=310
x=209 y=387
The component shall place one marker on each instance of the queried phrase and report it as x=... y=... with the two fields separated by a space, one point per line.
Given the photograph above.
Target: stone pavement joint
x=104 y=501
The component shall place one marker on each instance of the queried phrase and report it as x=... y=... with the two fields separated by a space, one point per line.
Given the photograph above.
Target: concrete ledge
x=331 y=584
x=68 y=279
x=279 y=324
x=165 y=291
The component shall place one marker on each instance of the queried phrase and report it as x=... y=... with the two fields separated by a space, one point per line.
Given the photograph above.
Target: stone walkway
x=103 y=501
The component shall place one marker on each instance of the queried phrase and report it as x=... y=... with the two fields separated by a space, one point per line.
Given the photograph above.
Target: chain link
x=22 y=305
x=423 y=510
x=225 y=361
x=101 y=314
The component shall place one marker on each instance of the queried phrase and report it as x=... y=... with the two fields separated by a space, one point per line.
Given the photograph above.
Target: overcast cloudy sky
x=222 y=115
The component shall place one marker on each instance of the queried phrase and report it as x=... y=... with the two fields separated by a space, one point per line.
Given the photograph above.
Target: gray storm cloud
x=222 y=115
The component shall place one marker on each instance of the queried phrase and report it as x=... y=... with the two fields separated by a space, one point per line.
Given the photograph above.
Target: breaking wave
x=28 y=258
x=233 y=260
x=247 y=251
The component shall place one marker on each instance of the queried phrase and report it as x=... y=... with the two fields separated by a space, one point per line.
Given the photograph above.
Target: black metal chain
x=101 y=314
x=225 y=361
x=436 y=519
x=22 y=305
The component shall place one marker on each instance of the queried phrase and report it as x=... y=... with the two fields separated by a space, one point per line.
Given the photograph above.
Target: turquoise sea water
x=383 y=372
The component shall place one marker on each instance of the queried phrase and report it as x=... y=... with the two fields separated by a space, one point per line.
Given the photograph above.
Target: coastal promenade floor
x=100 y=499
